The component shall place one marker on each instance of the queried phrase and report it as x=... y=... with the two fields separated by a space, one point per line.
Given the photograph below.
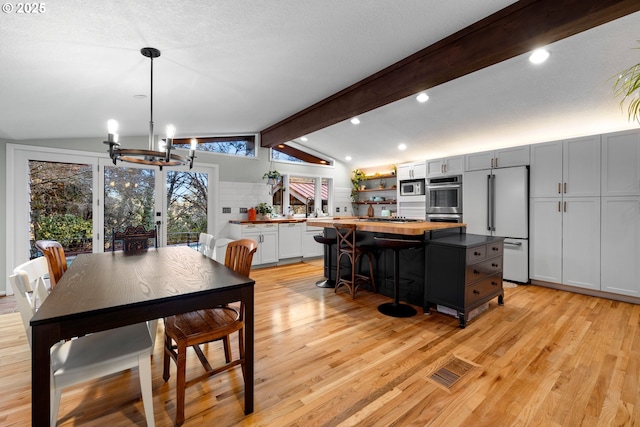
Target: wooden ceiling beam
x=512 y=31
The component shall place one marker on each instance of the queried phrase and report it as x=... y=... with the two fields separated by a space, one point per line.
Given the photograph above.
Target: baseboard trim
x=590 y=292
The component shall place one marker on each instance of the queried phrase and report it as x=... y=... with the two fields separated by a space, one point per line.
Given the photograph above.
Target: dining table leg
x=247 y=297
x=42 y=338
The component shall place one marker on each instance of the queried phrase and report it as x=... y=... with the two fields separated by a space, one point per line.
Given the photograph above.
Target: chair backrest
x=239 y=255
x=54 y=253
x=27 y=282
x=346 y=236
x=206 y=244
x=134 y=239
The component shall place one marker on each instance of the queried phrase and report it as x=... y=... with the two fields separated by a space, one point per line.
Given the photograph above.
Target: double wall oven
x=444 y=199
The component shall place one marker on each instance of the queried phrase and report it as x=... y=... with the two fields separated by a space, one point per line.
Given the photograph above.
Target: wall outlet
x=226 y=210
x=243 y=210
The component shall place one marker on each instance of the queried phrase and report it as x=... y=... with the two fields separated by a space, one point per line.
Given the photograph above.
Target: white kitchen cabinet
x=266 y=235
x=414 y=170
x=311 y=248
x=621 y=163
x=503 y=158
x=445 y=166
x=569 y=168
x=621 y=245
x=545 y=239
x=290 y=239
x=565 y=241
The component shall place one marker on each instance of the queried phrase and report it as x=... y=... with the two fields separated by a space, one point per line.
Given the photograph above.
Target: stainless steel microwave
x=412 y=187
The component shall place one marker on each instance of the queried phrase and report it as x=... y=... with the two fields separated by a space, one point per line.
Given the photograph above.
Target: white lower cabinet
x=266 y=235
x=621 y=245
x=311 y=248
x=290 y=239
x=565 y=241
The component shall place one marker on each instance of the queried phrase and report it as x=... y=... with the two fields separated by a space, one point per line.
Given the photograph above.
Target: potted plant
x=272 y=177
x=264 y=211
x=356 y=180
x=626 y=85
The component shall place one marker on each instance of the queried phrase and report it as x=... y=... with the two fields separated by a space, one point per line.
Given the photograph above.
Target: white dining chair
x=91 y=356
x=206 y=244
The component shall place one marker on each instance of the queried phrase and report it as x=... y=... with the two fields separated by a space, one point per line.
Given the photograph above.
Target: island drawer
x=476 y=254
x=482 y=289
x=475 y=272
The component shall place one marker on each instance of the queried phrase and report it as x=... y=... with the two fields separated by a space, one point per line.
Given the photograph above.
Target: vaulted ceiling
x=235 y=66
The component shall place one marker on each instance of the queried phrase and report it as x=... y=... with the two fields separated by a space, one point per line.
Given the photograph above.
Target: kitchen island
x=413 y=262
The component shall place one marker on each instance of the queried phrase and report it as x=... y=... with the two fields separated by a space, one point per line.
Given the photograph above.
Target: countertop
x=282 y=220
x=407 y=228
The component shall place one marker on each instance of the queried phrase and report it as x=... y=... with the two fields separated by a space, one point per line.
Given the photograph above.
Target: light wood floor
x=546 y=358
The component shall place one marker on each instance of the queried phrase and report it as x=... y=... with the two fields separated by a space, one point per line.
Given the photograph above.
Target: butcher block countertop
x=406 y=228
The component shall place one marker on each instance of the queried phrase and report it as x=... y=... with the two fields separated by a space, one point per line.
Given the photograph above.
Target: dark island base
x=397 y=310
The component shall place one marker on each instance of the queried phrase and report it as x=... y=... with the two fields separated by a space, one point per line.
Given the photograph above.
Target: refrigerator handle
x=488 y=202
x=493 y=202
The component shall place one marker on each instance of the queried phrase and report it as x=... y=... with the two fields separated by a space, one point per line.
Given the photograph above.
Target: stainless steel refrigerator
x=496 y=203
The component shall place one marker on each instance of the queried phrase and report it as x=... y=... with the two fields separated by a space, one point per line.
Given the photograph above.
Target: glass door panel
x=187 y=207
x=129 y=200
x=61 y=205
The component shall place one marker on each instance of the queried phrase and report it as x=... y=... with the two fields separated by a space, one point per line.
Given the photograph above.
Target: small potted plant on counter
x=263 y=211
x=272 y=177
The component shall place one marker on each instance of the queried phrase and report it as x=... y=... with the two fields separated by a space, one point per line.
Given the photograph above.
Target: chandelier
x=161 y=157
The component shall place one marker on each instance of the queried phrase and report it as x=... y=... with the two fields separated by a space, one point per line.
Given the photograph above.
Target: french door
x=79 y=198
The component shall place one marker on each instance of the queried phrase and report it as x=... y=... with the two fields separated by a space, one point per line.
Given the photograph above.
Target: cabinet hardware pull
x=494 y=248
x=565 y=206
x=494 y=265
x=476 y=292
x=559 y=189
x=565 y=188
x=559 y=209
x=496 y=162
x=492 y=162
x=476 y=272
x=477 y=253
x=494 y=284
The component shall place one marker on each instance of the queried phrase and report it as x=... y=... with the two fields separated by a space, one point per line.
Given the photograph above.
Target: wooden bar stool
x=329 y=241
x=395 y=308
x=347 y=247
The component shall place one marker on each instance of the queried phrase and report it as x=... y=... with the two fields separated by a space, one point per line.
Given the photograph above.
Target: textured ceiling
x=231 y=66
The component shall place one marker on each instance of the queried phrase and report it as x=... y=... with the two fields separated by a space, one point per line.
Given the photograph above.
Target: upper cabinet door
x=454 y=165
x=621 y=163
x=479 y=161
x=435 y=167
x=513 y=156
x=581 y=167
x=546 y=169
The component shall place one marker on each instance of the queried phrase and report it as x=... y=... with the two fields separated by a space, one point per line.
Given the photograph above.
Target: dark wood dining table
x=103 y=291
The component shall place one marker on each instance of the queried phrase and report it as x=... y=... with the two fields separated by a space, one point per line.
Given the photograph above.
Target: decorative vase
x=263 y=217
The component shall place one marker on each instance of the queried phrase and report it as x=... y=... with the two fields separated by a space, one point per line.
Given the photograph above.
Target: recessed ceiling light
x=348 y=158
x=355 y=121
x=402 y=147
x=422 y=97
x=538 y=56
x=280 y=145
x=304 y=139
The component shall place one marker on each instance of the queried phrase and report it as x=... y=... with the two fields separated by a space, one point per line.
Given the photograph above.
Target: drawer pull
x=494 y=284
x=495 y=249
x=476 y=272
x=494 y=265
x=475 y=292
x=477 y=253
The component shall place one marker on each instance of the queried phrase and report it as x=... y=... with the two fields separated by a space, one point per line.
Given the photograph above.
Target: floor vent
x=451 y=372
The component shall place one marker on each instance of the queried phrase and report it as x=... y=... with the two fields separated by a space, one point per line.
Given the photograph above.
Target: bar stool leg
x=395 y=308
x=328 y=282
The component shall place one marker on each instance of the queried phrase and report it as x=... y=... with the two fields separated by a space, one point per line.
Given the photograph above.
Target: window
x=306 y=195
x=236 y=145
x=291 y=152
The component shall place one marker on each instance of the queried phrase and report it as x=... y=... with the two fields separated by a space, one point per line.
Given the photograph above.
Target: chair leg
x=339 y=281
x=144 y=372
x=354 y=261
x=227 y=348
x=181 y=364
x=165 y=360
x=373 y=283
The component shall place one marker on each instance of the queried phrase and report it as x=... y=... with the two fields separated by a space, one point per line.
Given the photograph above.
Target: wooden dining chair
x=349 y=249
x=54 y=253
x=92 y=356
x=199 y=327
x=134 y=239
